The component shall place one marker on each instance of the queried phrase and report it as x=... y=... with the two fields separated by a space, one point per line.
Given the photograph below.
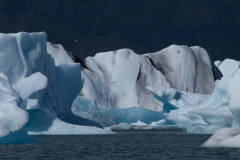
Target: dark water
x=125 y=145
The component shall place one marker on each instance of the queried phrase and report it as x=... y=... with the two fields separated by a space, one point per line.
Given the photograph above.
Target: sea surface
x=142 y=144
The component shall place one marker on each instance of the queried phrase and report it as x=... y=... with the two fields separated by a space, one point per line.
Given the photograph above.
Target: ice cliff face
x=37 y=88
x=118 y=78
x=186 y=69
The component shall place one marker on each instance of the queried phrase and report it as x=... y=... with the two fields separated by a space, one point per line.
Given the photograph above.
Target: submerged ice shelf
x=107 y=116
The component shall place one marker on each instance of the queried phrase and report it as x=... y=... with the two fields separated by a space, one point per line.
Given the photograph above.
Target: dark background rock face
x=141 y=25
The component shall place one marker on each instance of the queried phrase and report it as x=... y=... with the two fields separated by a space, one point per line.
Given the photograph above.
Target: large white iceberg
x=33 y=77
x=118 y=78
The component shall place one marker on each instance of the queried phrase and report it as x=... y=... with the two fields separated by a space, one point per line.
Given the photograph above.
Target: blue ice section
x=167 y=106
x=107 y=116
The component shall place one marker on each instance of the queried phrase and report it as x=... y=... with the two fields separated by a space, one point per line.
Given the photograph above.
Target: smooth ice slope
x=32 y=78
x=118 y=79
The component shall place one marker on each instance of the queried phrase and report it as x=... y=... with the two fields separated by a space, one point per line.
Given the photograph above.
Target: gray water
x=124 y=145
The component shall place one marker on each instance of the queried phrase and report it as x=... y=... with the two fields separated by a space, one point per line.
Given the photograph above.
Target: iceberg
x=199 y=113
x=229 y=137
x=39 y=84
x=120 y=82
x=34 y=78
x=117 y=79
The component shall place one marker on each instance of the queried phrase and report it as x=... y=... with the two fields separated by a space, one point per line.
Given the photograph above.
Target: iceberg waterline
x=183 y=106
x=39 y=82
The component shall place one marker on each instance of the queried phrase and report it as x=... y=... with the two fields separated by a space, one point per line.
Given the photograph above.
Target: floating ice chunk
x=224 y=137
x=228 y=67
x=139 y=123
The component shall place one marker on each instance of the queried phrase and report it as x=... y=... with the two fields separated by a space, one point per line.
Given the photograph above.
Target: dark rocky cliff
x=144 y=26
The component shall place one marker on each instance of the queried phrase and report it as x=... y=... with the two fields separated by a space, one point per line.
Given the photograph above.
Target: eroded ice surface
x=118 y=79
x=32 y=78
x=200 y=113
